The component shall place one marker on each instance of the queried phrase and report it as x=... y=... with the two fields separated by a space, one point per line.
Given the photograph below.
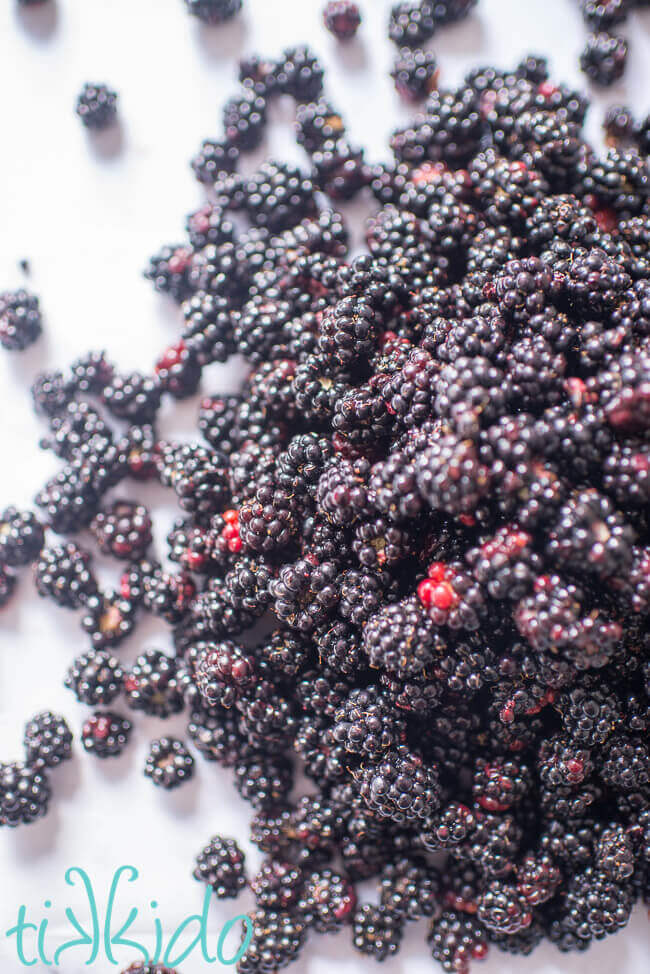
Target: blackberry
x=267 y=523
x=589 y=714
x=50 y=393
x=506 y=563
x=152 y=685
x=499 y=785
x=538 y=879
x=592 y=907
x=21 y=537
x=95 y=678
x=63 y=574
x=217 y=421
x=221 y=865
x=97 y=106
x=90 y=373
x=263 y=780
x=168 y=596
x=169 y=271
x=139 y=968
x=451 y=476
x=138 y=449
x=215 y=159
x=300 y=74
x=400 y=787
x=614 y=854
x=411 y=23
x=47 y=740
x=24 y=794
x=533 y=68
x=604 y=57
x=247 y=585
x=562 y=764
x=108 y=618
x=178 y=371
x=603 y=14
x=76 y=425
x=213 y=11
x=626 y=763
x=394 y=487
x=223 y=672
x=591 y=536
x=342 y=18
x=168 y=763
x=619 y=181
x=278 y=197
x=277 y=885
x=244 y=119
x=376 y=932
x=502 y=910
x=305 y=593
x=623 y=392
x=452 y=597
x=197 y=477
x=366 y=726
x=327 y=901
x=317 y=123
x=619 y=125
x=415 y=74
x=457 y=939
x=123 y=530
x=361 y=593
x=216 y=734
x=401 y=639
x=277 y=939
x=20 y=320
x=410 y=889
x=105 y=734
x=134 y=398
x=448 y=828
x=208 y=331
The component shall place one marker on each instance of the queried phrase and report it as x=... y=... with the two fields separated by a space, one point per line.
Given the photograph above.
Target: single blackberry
x=168 y=763
x=327 y=901
x=263 y=780
x=197 y=476
x=410 y=889
x=305 y=593
x=152 y=685
x=401 y=639
x=502 y=910
x=538 y=879
x=342 y=18
x=169 y=271
x=266 y=719
x=213 y=11
x=63 y=573
x=178 y=371
x=50 y=393
x=105 y=734
x=411 y=23
x=400 y=787
x=316 y=824
x=208 y=330
x=90 y=373
x=95 y=678
x=215 y=732
x=603 y=14
x=451 y=476
x=362 y=591
x=138 y=450
x=300 y=74
x=317 y=123
x=218 y=421
x=21 y=537
x=20 y=320
x=623 y=392
x=366 y=726
x=267 y=523
x=604 y=57
x=223 y=672
x=619 y=125
x=506 y=563
x=260 y=73
x=166 y=595
x=415 y=74
x=108 y=618
x=494 y=844
x=221 y=865
x=456 y=939
x=123 y=530
x=215 y=159
x=499 y=784
x=625 y=763
x=376 y=932
x=277 y=885
x=591 y=907
x=97 y=106
x=589 y=714
x=619 y=181
x=47 y=740
x=244 y=119
x=533 y=67
x=277 y=939
x=562 y=764
x=591 y=536
x=614 y=854
x=24 y=794
x=134 y=397
x=278 y=196
x=76 y=425
x=452 y=597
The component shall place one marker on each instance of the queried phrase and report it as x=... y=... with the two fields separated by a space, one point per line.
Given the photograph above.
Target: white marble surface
x=87 y=214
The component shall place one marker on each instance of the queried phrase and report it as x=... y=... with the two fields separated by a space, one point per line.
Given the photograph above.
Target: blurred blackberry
x=152 y=685
x=168 y=595
x=21 y=537
x=411 y=23
x=47 y=740
x=327 y=901
x=137 y=450
x=451 y=476
x=134 y=397
x=626 y=764
x=221 y=865
x=317 y=123
x=178 y=371
x=376 y=932
x=95 y=678
x=24 y=794
x=20 y=320
x=415 y=73
x=168 y=763
x=592 y=907
x=108 y=618
x=614 y=854
x=277 y=939
x=215 y=733
x=105 y=734
x=169 y=271
x=619 y=125
x=456 y=939
x=278 y=197
x=410 y=889
x=603 y=14
x=394 y=486
x=277 y=884
x=533 y=68
x=508 y=192
x=621 y=180
x=506 y=563
x=223 y=673
x=96 y=106
x=207 y=333
x=604 y=57
x=300 y=74
x=622 y=389
x=76 y=425
x=400 y=787
x=214 y=159
x=217 y=420
x=244 y=119
x=342 y=18
x=63 y=574
x=591 y=536
x=51 y=393
x=123 y=530
x=263 y=780
x=259 y=73
x=450 y=132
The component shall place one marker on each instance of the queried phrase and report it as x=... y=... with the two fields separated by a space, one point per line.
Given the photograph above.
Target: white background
x=87 y=214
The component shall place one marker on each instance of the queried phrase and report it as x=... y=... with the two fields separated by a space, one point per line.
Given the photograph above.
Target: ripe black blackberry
x=90 y=373
x=152 y=685
x=317 y=823
x=97 y=106
x=590 y=535
x=625 y=763
x=133 y=397
x=20 y=320
x=449 y=132
x=215 y=159
x=449 y=828
x=451 y=476
x=603 y=14
x=614 y=854
x=410 y=889
x=108 y=618
x=21 y=537
x=502 y=910
x=456 y=939
x=277 y=885
x=622 y=388
x=305 y=593
x=47 y=740
x=415 y=73
x=365 y=725
x=221 y=865
x=342 y=18
x=604 y=57
x=223 y=672
x=213 y=11
x=138 y=967
x=619 y=125
x=592 y=907
x=277 y=939
x=589 y=713
x=76 y=425
x=267 y=522
x=178 y=370
x=278 y=196
x=263 y=780
x=168 y=595
x=50 y=393
x=244 y=119
x=620 y=180
x=376 y=932
x=215 y=732
x=411 y=23
x=196 y=475
x=63 y=574
x=400 y=787
x=401 y=639
x=362 y=591
x=317 y=123
x=24 y=794
x=123 y=530
x=300 y=74
x=105 y=734
x=208 y=331
x=95 y=678
x=169 y=271
x=327 y=901
x=169 y=763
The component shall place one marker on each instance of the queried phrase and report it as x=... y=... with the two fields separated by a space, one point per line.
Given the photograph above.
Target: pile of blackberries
x=413 y=560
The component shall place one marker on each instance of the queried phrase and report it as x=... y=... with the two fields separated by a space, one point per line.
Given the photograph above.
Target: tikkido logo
x=97 y=937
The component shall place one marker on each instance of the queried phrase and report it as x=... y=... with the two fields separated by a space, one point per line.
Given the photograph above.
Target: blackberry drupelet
x=105 y=734
x=97 y=106
x=24 y=794
x=221 y=865
x=47 y=740
x=169 y=764
x=21 y=537
x=20 y=320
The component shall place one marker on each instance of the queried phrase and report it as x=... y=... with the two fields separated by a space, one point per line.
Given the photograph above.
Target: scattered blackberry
x=456 y=939
x=20 y=320
x=178 y=371
x=415 y=74
x=327 y=902
x=152 y=685
x=138 y=448
x=108 y=618
x=277 y=885
x=95 y=678
x=221 y=865
x=215 y=159
x=97 y=106
x=47 y=740
x=24 y=794
x=278 y=196
x=169 y=763
x=169 y=271
x=63 y=574
x=123 y=530
x=21 y=537
x=50 y=393
x=244 y=119
x=168 y=596
x=77 y=424
x=411 y=23
x=538 y=879
x=262 y=780
x=90 y=373
x=452 y=597
x=376 y=932
x=342 y=18
x=105 y=734
x=134 y=398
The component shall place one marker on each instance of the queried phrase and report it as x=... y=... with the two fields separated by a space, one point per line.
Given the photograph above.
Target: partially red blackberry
x=152 y=686
x=178 y=370
x=410 y=889
x=563 y=764
x=133 y=397
x=448 y=828
x=123 y=530
x=400 y=787
x=213 y=11
x=138 y=450
x=300 y=74
x=244 y=119
x=169 y=271
x=412 y=22
x=376 y=932
x=24 y=794
x=169 y=763
x=20 y=320
x=452 y=597
x=105 y=734
x=457 y=939
x=538 y=879
x=21 y=537
x=47 y=740
x=342 y=18
x=223 y=672
x=95 y=678
x=63 y=574
x=168 y=596
x=221 y=865
x=108 y=618
x=267 y=523
x=277 y=885
x=604 y=58
x=97 y=106
x=499 y=785
x=328 y=901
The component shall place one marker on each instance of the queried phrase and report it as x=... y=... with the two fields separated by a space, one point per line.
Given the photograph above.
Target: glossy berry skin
x=169 y=764
x=95 y=678
x=105 y=734
x=47 y=740
x=221 y=865
x=376 y=932
x=152 y=685
x=24 y=794
x=108 y=618
x=123 y=530
x=63 y=574
x=97 y=106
